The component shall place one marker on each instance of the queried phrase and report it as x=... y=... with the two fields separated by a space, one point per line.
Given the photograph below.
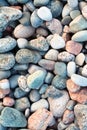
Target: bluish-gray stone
x=12 y=2
x=3 y=3
x=41 y=2
x=5 y=74
x=25 y=20
x=43 y=88
x=19 y=93
x=22 y=1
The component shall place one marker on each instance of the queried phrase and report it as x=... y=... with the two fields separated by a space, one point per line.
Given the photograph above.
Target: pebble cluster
x=43 y=64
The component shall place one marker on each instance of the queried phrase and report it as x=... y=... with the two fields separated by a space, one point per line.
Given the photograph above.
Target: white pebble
x=80 y=58
x=71 y=68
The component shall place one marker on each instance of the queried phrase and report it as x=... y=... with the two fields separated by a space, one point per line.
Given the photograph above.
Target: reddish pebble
x=7 y=101
x=71 y=86
x=73 y=47
x=68 y=117
x=80 y=97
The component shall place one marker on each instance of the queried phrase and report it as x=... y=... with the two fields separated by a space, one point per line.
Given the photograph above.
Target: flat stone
x=73 y=47
x=44 y=13
x=80 y=96
x=39 y=44
x=24 y=56
x=81 y=115
x=42 y=103
x=71 y=68
x=7 y=61
x=84 y=11
x=80 y=58
x=57 y=42
x=36 y=79
x=11 y=117
x=22 y=31
x=58 y=104
x=78 y=24
x=54 y=26
x=80 y=36
x=40 y=119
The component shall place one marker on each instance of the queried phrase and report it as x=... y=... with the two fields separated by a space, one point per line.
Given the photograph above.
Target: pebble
x=77 y=25
x=24 y=56
x=7 y=101
x=84 y=70
x=68 y=117
x=13 y=80
x=72 y=127
x=22 y=103
x=79 y=80
x=61 y=126
x=54 y=26
x=60 y=69
x=36 y=79
x=66 y=36
x=30 y=6
x=57 y=42
x=11 y=117
x=19 y=93
x=34 y=96
x=66 y=56
x=41 y=119
x=38 y=3
x=66 y=10
x=5 y=74
x=12 y=2
x=80 y=36
x=7 y=61
x=49 y=78
x=74 y=14
x=36 y=21
x=71 y=68
x=70 y=105
x=20 y=67
x=58 y=104
x=22 y=1
x=39 y=44
x=22 y=43
x=72 y=3
x=47 y=64
x=42 y=31
x=22 y=31
x=44 y=13
x=7 y=44
x=43 y=88
x=81 y=116
x=66 y=20
x=42 y=103
x=22 y=83
x=80 y=58
x=27 y=112
x=84 y=11
x=73 y=47
x=59 y=82
x=72 y=87
x=80 y=96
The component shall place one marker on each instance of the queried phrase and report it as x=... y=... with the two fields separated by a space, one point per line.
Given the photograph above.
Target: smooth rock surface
x=71 y=68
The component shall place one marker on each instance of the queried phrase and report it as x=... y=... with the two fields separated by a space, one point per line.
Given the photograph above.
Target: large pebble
x=39 y=44
x=42 y=103
x=71 y=68
x=65 y=56
x=7 y=61
x=24 y=56
x=7 y=44
x=58 y=104
x=54 y=26
x=40 y=120
x=84 y=11
x=44 y=13
x=84 y=70
x=78 y=24
x=57 y=42
x=81 y=115
x=40 y=3
x=34 y=95
x=79 y=80
x=80 y=58
x=36 y=79
x=72 y=3
x=22 y=31
x=11 y=117
x=73 y=47
x=80 y=36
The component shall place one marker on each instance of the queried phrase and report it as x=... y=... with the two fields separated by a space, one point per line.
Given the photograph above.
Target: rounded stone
x=71 y=68
x=14 y=81
x=4 y=86
x=43 y=88
x=54 y=26
x=84 y=11
x=84 y=70
x=72 y=127
x=12 y=2
x=70 y=105
x=44 y=13
x=42 y=31
x=22 y=43
x=11 y=117
x=80 y=58
x=42 y=103
x=7 y=61
x=49 y=77
x=74 y=13
x=25 y=20
x=24 y=56
x=27 y=112
x=38 y=3
x=7 y=44
x=4 y=74
x=22 y=1
x=73 y=3
x=22 y=31
x=57 y=42
x=34 y=95
x=66 y=10
x=7 y=101
x=66 y=20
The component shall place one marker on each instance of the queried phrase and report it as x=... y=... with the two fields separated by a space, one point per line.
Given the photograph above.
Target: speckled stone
x=7 y=61
x=24 y=56
x=11 y=117
x=36 y=79
x=7 y=44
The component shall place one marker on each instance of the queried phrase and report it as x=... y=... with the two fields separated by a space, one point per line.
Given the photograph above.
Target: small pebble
x=72 y=3
x=74 y=13
x=49 y=78
x=43 y=88
x=27 y=112
x=70 y=105
x=5 y=74
x=14 y=81
x=84 y=11
x=7 y=101
x=71 y=68
x=80 y=58
x=22 y=43
x=84 y=70
x=34 y=96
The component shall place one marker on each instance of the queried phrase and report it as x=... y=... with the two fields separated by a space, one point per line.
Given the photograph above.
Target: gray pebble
x=25 y=20
x=43 y=88
x=74 y=13
x=66 y=20
x=70 y=105
x=72 y=3
x=14 y=81
x=49 y=78
x=38 y=3
x=34 y=95
x=84 y=70
x=5 y=74
x=22 y=1
x=30 y=6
